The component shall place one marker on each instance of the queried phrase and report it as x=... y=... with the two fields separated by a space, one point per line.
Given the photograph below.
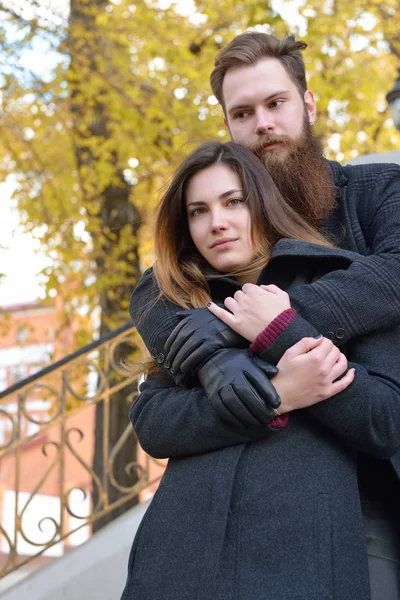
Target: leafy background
x=93 y=138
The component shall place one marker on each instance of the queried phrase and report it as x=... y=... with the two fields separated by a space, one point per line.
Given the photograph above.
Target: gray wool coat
x=257 y=514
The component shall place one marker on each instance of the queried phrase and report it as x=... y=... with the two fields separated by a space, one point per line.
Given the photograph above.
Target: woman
x=248 y=508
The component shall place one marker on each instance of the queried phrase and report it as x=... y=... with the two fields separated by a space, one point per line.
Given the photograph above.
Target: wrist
x=268 y=335
x=283 y=392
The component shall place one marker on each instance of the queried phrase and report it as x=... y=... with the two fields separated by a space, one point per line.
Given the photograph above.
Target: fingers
x=182 y=314
x=266 y=395
x=339 y=367
x=181 y=345
x=281 y=297
x=274 y=289
x=328 y=360
x=343 y=383
x=328 y=355
x=194 y=360
x=249 y=288
x=324 y=349
x=231 y=303
x=303 y=346
x=189 y=350
x=268 y=370
x=173 y=335
x=238 y=295
x=232 y=405
x=225 y=316
x=221 y=408
x=315 y=352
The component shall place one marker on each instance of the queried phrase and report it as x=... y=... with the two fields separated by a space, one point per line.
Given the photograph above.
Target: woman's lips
x=223 y=243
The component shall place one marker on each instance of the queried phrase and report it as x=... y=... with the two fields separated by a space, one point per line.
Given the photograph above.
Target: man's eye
x=242 y=114
x=276 y=103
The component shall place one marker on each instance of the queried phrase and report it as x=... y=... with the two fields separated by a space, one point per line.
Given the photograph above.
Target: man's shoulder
x=363 y=175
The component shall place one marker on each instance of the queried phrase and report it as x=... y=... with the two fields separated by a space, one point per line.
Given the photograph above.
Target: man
x=268 y=109
x=261 y=85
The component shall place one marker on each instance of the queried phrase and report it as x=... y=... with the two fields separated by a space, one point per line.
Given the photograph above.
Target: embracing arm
x=366 y=414
x=365 y=297
x=172 y=421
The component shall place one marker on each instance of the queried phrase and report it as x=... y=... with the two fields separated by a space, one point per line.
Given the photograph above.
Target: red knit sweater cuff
x=279 y=422
x=273 y=330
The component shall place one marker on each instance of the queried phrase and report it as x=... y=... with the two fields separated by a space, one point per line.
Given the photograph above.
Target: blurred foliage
x=93 y=137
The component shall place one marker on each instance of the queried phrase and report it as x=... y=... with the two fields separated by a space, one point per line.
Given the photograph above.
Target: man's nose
x=264 y=122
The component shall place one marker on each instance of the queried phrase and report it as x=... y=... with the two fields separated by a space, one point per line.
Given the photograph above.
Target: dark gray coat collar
x=298 y=248
x=288 y=248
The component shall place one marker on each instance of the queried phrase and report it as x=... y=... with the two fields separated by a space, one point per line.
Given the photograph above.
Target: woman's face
x=219 y=218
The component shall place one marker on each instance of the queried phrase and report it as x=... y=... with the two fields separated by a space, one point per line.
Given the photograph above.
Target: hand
x=308 y=372
x=196 y=337
x=252 y=309
x=238 y=387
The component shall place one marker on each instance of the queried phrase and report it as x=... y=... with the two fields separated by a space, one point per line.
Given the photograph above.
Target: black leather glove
x=196 y=338
x=239 y=388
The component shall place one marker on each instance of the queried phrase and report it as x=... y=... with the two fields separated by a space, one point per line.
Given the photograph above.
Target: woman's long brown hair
x=179 y=266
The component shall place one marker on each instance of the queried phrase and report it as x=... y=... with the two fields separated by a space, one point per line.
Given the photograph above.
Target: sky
x=18 y=259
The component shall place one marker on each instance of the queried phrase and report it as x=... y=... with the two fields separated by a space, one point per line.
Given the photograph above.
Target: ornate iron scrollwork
x=49 y=414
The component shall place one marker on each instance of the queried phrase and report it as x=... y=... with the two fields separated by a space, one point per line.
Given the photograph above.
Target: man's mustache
x=271 y=138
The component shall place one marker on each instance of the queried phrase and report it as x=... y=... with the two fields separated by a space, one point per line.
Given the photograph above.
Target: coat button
x=153 y=352
x=160 y=358
x=340 y=333
x=330 y=335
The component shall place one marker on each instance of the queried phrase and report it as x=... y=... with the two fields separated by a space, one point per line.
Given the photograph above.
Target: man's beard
x=303 y=176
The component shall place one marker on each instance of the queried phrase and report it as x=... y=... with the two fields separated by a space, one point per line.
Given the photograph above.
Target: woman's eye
x=197 y=212
x=234 y=201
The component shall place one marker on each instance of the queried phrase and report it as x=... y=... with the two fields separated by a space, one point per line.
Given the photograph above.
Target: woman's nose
x=218 y=221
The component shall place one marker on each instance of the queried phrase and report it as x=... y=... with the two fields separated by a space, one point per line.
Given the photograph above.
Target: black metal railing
x=47 y=463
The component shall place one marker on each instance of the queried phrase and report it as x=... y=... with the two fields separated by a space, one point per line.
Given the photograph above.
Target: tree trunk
x=118 y=217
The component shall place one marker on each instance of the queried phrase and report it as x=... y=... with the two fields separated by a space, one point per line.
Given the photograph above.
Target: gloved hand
x=239 y=388
x=196 y=338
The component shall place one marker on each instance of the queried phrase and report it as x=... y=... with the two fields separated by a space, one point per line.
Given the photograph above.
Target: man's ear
x=311 y=106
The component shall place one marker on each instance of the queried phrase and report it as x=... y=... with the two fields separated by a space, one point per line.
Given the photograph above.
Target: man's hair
x=251 y=47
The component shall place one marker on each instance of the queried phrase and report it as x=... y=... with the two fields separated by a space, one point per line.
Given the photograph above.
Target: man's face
x=262 y=105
